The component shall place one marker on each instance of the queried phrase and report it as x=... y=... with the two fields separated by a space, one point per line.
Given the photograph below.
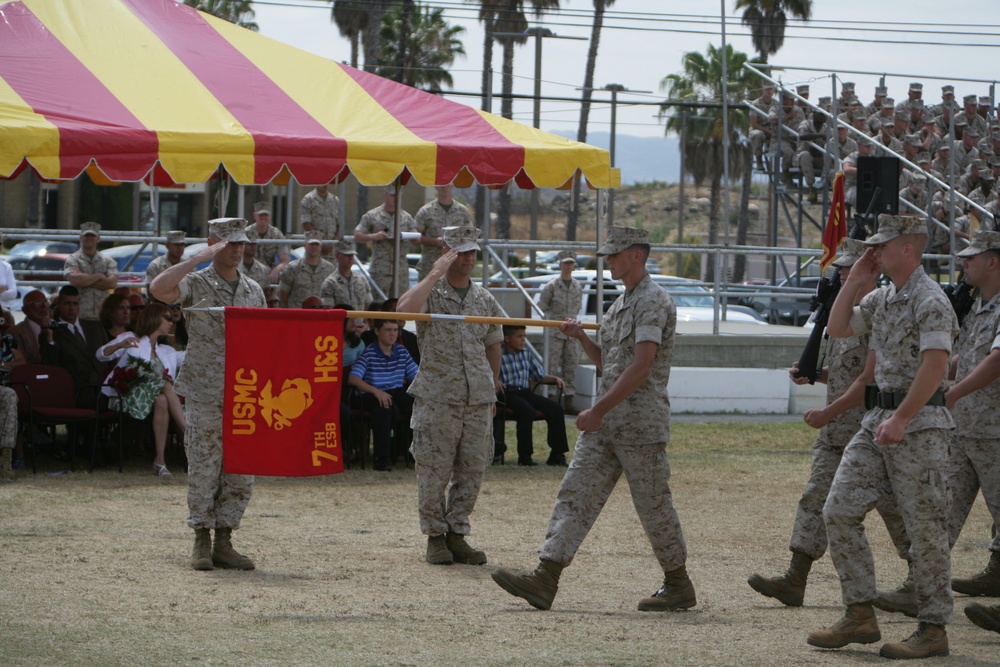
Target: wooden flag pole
x=428 y=317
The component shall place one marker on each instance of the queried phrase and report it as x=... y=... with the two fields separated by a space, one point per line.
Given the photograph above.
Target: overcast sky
x=642 y=42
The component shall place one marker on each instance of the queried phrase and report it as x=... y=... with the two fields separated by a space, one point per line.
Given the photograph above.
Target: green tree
x=430 y=48
x=351 y=19
x=239 y=12
x=701 y=81
x=588 y=85
x=766 y=20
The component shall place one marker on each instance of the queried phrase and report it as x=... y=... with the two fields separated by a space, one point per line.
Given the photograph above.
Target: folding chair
x=45 y=394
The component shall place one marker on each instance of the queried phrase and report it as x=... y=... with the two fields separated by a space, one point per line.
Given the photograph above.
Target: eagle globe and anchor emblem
x=293 y=400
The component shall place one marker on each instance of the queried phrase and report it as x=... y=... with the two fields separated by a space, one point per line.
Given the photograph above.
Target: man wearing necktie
x=74 y=346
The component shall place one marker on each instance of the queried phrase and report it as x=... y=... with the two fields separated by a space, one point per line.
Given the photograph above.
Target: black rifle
x=822 y=303
x=962 y=296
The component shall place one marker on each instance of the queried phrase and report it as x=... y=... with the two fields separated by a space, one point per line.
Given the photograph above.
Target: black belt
x=890 y=400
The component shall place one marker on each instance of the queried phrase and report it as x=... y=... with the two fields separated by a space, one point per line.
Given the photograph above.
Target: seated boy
x=382 y=371
x=519 y=373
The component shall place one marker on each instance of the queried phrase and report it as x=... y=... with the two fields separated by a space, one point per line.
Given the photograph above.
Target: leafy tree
x=431 y=47
x=351 y=19
x=766 y=20
x=701 y=81
x=239 y=12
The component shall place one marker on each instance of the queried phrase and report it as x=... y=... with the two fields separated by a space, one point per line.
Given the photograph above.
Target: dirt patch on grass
x=94 y=571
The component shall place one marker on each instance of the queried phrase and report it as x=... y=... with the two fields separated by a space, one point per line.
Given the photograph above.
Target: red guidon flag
x=836 y=224
x=284 y=371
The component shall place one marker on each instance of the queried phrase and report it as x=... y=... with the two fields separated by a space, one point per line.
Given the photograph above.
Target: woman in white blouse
x=153 y=390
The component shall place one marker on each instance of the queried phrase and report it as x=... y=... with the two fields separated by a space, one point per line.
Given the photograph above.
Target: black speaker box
x=878 y=172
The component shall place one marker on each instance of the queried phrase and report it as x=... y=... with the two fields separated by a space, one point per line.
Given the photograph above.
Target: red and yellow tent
x=123 y=86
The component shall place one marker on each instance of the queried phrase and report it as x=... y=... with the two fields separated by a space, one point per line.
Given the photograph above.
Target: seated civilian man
x=519 y=373
x=381 y=372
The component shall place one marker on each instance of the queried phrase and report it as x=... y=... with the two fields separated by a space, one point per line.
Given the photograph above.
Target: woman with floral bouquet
x=143 y=380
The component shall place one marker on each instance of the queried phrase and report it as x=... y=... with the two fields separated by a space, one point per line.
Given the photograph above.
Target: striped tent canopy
x=118 y=88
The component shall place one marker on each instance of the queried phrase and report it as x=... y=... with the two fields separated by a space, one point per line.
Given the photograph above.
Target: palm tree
x=430 y=49
x=701 y=81
x=588 y=85
x=239 y=12
x=351 y=18
x=766 y=20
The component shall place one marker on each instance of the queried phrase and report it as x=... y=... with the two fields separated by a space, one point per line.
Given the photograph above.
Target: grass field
x=94 y=571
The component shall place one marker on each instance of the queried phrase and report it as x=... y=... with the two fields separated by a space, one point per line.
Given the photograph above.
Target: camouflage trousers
x=914 y=470
x=592 y=475
x=8 y=418
x=809 y=531
x=452 y=446
x=974 y=466
x=215 y=500
x=564 y=357
x=383 y=278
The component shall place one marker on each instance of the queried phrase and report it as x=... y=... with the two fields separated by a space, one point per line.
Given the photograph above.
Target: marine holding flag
x=454 y=397
x=215 y=500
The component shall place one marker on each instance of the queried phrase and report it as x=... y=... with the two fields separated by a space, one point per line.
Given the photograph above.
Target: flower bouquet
x=138 y=383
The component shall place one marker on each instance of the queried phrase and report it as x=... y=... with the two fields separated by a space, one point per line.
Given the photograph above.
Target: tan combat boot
x=988 y=618
x=928 y=641
x=903 y=600
x=201 y=557
x=438 y=552
x=985 y=583
x=676 y=593
x=462 y=552
x=789 y=588
x=538 y=588
x=6 y=461
x=224 y=555
x=858 y=625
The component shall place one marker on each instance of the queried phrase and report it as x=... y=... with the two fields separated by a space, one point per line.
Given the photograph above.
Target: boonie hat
x=461 y=239
x=982 y=241
x=228 y=229
x=621 y=238
x=891 y=226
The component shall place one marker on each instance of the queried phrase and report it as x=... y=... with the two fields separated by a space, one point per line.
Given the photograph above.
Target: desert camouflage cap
x=913 y=140
x=971 y=131
x=891 y=226
x=970 y=99
x=918 y=179
x=916 y=87
x=228 y=229
x=461 y=239
x=175 y=236
x=888 y=103
x=994 y=161
x=948 y=88
x=90 y=228
x=621 y=238
x=345 y=247
x=987 y=175
x=802 y=90
x=982 y=241
x=314 y=237
x=849 y=253
x=825 y=101
x=847 y=87
x=566 y=256
x=881 y=90
x=390 y=189
x=923 y=156
x=860 y=114
x=262 y=207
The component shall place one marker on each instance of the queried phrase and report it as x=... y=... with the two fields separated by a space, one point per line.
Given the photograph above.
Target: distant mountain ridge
x=641 y=159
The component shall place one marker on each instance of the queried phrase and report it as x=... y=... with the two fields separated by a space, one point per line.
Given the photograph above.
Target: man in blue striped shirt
x=519 y=373
x=381 y=372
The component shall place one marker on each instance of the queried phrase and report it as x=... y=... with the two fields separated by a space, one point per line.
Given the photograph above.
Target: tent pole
x=397 y=242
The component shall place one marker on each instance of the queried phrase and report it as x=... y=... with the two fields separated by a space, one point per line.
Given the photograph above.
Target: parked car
x=19 y=256
x=693 y=301
x=778 y=307
x=52 y=261
x=134 y=258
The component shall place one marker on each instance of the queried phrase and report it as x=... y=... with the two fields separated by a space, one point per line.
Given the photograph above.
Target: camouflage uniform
x=322 y=213
x=758 y=137
x=91 y=298
x=975 y=452
x=380 y=267
x=268 y=254
x=558 y=302
x=301 y=279
x=256 y=272
x=902 y=323
x=8 y=418
x=353 y=290
x=919 y=200
x=158 y=266
x=430 y=220
x=632 y=438
x=454 y=393
x=215 y=500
